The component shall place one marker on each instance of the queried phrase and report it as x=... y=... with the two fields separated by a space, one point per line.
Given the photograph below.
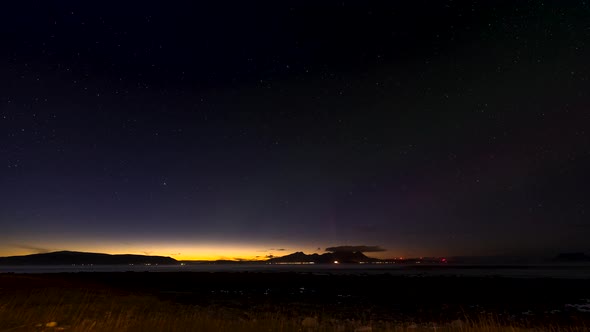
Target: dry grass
x=82 y=310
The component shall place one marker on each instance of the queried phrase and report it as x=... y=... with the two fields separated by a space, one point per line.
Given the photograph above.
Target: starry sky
x=234 y=129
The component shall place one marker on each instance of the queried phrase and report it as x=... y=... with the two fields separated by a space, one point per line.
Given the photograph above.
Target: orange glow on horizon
x=204 y=252
x=187 y=251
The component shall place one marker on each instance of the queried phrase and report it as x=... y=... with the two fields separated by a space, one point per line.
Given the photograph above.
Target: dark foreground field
x=194 y=301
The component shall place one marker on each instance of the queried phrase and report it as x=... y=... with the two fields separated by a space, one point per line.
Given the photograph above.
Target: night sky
x=220 y=129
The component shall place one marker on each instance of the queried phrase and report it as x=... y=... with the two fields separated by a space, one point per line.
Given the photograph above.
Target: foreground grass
x=91 y=310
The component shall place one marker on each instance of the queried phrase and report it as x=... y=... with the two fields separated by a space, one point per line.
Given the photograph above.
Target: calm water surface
x=516 y=271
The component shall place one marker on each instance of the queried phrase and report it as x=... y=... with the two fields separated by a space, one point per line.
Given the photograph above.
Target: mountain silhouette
x=79 y=258
x=344 y=257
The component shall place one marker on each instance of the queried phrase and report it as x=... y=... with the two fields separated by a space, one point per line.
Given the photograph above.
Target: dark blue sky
x=236 y=129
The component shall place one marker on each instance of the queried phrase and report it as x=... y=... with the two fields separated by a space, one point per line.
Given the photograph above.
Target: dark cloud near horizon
x=355 y=248
x=272 y=249
x=37 y=250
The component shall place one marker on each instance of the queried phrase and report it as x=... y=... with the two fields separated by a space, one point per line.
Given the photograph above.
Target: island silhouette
x=334 y=255
x=344 y=255
x=85 y=258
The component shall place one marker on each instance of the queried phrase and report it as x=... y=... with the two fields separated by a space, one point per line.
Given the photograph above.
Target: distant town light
x=336 y=262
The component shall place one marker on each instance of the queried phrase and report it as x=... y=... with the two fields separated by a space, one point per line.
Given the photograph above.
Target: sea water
x=514 y=271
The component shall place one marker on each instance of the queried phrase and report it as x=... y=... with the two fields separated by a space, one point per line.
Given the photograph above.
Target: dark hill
x=344 y=257
x=296 y=257
x=79 y=258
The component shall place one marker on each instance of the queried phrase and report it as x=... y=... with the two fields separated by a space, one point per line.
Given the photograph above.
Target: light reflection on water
x=516 y=271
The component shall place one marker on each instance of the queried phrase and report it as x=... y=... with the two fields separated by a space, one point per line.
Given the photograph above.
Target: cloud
x=272 y=249
x=355 y=248
x=239 y=259
x=37 y=250
x=269 y=256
